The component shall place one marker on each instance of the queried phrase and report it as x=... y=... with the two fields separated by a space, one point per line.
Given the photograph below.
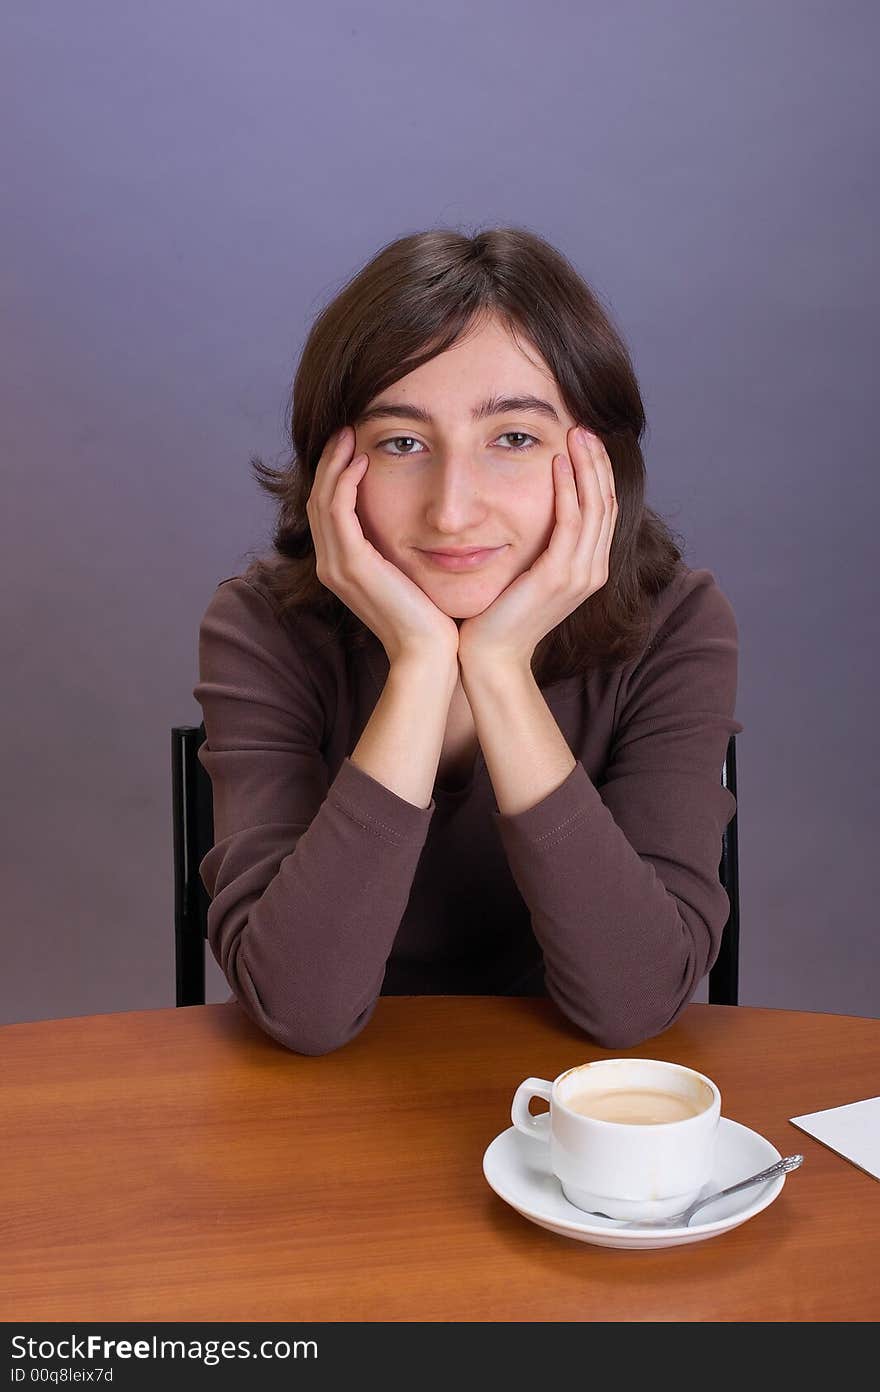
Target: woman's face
x=448 y=480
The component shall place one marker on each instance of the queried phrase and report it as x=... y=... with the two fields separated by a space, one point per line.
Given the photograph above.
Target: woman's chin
x=457 y=598
x=461 y=609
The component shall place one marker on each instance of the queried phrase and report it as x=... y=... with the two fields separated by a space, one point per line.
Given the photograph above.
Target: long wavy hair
x=412 y=301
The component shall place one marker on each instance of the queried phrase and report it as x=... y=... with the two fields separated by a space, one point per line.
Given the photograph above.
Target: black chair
x=193 y=819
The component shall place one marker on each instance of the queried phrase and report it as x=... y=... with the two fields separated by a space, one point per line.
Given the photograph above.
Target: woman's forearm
x=402 y=741
x=525 y=751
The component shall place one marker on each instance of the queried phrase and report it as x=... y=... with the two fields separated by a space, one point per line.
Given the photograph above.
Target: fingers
x=605 y=475
x=344 y=478
x=334 y=458
x=586 y=501
x=336 y=529
x=577 y=502
x=568 y=511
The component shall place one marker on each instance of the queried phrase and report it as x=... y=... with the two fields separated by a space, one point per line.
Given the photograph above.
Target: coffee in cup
x=635 y=1106
x=633 y=1138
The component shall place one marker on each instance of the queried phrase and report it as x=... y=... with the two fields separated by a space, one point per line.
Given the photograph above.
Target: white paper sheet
x=853 y=1131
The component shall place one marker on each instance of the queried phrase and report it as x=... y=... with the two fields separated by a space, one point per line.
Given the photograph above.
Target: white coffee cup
x=632 y=1168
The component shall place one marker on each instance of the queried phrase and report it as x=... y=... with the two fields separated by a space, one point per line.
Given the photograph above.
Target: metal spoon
x=676 y=1220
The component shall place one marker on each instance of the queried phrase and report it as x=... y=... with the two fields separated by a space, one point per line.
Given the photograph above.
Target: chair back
x=724 y=975
x=193 y=824
x=193 y=819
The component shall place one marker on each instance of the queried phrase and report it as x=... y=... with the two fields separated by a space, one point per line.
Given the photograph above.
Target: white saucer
x=517 y=1167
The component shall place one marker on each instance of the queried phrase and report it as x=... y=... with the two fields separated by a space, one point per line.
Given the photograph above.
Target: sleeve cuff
x=375 y=807
x=554 y=816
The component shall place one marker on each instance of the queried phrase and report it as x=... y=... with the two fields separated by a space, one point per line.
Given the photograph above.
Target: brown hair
x=412 y=301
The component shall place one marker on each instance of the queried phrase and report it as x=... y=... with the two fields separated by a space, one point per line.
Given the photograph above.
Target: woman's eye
x=523 y=436
x=508 y=434
x=395 y=440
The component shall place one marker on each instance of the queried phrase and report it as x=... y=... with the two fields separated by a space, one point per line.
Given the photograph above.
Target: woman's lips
x=468 y=562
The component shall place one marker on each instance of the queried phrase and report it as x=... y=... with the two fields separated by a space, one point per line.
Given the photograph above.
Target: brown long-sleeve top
x=328 y=889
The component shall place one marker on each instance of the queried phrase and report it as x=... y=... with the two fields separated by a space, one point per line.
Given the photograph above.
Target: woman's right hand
x=405 y=620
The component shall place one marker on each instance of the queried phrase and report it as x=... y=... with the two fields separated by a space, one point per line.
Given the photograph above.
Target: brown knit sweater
x=328 y=889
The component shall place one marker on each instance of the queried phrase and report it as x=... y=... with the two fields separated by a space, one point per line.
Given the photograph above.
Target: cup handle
x=537 y=1126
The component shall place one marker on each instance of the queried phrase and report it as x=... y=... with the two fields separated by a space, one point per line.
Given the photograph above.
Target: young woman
x=494 y=773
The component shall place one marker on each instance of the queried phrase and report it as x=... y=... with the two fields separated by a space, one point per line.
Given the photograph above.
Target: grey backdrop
x=186 y=184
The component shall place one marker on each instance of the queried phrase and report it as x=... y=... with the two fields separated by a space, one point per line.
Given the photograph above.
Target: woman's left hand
x=574 y=565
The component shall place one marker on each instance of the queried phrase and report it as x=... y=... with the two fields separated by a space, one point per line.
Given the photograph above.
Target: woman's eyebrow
x=492 y=406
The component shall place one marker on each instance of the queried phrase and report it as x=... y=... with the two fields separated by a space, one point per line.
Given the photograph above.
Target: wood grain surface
x=180 y=1165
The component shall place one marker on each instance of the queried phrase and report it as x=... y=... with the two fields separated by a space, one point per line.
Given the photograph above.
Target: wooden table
x=181 y=1165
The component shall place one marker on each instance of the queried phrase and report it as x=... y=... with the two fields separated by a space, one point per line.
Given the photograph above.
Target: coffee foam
x=638 y=1075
